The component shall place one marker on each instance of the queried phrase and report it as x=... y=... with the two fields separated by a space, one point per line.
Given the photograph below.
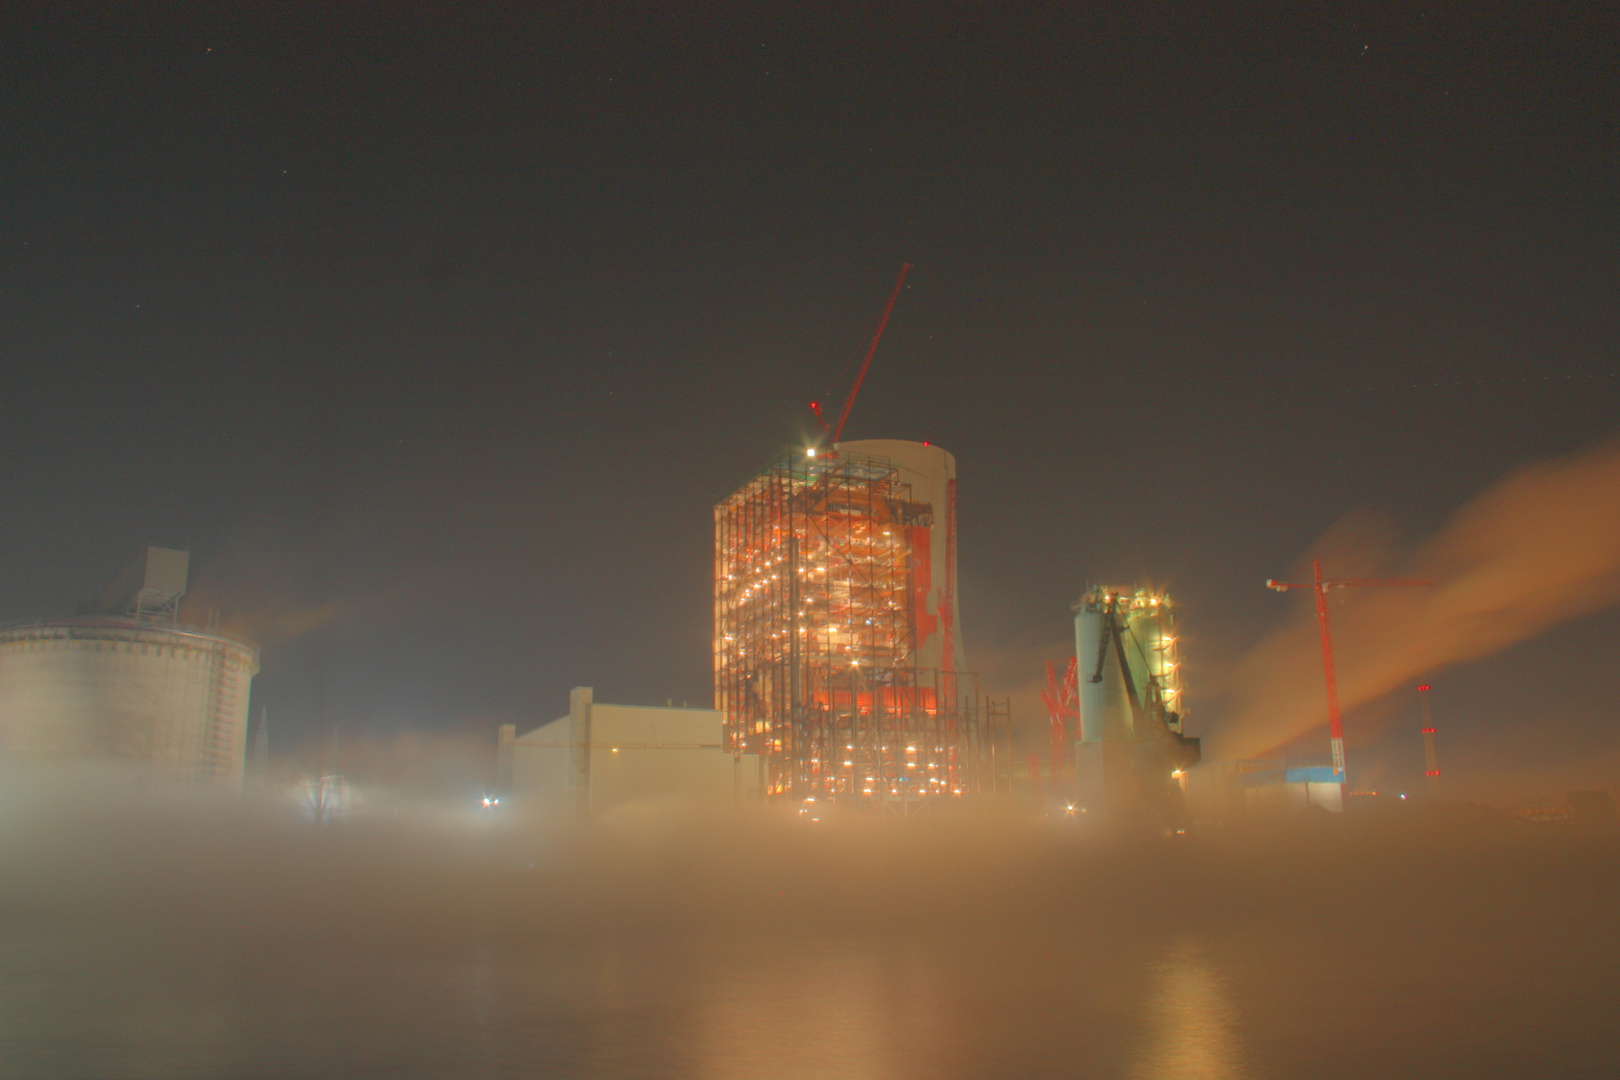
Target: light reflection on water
x=797 y=1026
x=619 y=1007
x=1189 y=1021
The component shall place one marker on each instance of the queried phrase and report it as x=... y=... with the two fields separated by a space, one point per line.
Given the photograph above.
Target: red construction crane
x=837 y=431
x=1321 y=586
x=1061 y=699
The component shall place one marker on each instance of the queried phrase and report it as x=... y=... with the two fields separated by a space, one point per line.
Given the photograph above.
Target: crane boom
x=860 y=376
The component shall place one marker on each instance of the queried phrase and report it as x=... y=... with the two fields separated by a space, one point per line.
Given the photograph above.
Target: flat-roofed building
x=602 y=758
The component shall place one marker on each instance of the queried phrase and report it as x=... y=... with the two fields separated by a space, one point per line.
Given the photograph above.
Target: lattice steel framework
x=821 y=573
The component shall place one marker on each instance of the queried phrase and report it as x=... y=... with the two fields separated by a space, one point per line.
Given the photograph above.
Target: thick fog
x=148 y=932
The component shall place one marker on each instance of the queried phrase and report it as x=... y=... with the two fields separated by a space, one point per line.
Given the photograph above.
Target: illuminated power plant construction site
x=837 y=652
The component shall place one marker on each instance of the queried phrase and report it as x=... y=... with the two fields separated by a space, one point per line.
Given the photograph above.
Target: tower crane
x=1321 y=585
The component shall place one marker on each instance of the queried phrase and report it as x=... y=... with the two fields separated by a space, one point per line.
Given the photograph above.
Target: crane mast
x=1320 y=586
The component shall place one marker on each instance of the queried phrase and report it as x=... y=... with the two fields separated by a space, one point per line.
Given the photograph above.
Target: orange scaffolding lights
x=822 y=580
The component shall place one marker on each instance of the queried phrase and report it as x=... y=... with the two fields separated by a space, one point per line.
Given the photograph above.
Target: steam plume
x=1539 y=548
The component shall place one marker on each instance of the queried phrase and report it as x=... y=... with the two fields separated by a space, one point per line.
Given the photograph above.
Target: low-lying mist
x=152 y=932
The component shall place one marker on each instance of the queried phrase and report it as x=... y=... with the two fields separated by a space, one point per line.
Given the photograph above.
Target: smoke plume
x=1539 y=548
x=272 y=587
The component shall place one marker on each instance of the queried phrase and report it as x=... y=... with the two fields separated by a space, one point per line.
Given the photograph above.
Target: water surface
x=168 y=942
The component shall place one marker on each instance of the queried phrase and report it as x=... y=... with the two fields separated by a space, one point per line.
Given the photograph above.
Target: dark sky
x=435 y=335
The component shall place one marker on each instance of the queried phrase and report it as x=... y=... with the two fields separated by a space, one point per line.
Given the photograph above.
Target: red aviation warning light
x=1431 y=764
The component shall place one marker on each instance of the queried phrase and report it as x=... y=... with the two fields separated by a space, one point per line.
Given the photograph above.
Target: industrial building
x=838 y=654
x=603 y=758
x=1230 y=791
x=1132 y=746
x=129 y=684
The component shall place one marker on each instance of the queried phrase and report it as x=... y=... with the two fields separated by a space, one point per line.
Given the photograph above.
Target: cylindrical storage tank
x=1088 y=627
x=172 y=698
x=1148 y=642
x=931 y=472
x=1105 y=707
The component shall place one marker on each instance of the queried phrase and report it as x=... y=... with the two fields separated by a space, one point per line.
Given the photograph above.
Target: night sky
x=435 y=336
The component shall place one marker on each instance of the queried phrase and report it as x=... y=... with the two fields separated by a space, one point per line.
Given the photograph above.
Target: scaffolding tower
x=820 y=579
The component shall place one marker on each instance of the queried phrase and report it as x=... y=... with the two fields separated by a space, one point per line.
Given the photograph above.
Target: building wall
x=171 y=698
x=1295 y=796
x=662 y=755
x=601 y=758
x=1229 y=791
x=540 y=764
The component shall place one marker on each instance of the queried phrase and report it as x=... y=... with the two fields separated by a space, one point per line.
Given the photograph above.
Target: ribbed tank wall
x=171 y=698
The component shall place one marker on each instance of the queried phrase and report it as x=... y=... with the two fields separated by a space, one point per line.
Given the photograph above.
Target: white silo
x=136 y=687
